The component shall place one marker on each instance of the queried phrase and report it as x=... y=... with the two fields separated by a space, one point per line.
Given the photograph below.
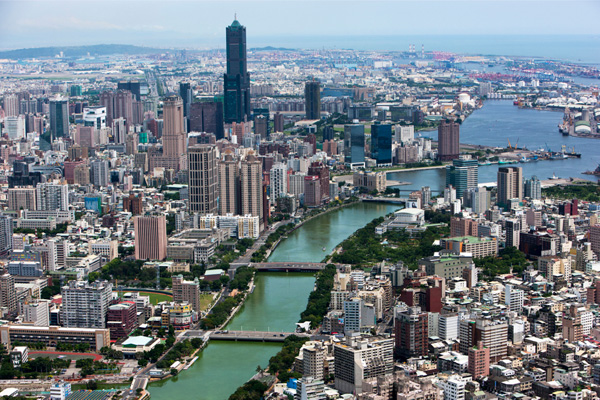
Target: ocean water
x=575 y=48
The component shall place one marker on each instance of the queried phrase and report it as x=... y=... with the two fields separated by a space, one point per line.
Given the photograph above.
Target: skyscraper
x=448 y=141
x=99 y=173
x=174 y=135
x=251 y=187
x=50 y=197
x=229 y=185
x=381 y=143
x=8 y=293
x=59 y=118
x=354 y=143
x=207 y=116
x=312 y=99
x=203 y=175
x=185 y=92
x=510 y=184
x=236 y=79
x=462 y=174
x=150 y=237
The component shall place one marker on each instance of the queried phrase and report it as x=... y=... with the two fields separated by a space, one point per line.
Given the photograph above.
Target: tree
x=174 y=371
x=91 y=385
x=142 y=362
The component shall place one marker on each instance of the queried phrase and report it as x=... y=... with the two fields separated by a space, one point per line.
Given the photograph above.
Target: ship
x=563 y=128
x=595 y=172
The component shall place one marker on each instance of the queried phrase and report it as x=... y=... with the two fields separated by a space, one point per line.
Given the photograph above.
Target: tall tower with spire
x=236 y=79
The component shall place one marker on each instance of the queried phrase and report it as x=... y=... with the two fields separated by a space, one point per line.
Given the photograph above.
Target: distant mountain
x=79 y=51
x=271 y=48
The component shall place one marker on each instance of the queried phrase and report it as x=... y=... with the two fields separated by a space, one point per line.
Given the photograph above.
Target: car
x=281 y=334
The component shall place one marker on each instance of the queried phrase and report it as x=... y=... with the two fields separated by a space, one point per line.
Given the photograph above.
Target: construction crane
x=548 y=148
x=509 y=146
x=517 y=145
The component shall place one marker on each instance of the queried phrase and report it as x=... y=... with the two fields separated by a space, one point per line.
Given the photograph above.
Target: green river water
x=275 y=305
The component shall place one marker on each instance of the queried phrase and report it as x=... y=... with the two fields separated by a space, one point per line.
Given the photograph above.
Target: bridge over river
x=243 y=336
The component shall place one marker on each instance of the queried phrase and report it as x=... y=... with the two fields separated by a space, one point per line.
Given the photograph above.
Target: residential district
x=141 y=194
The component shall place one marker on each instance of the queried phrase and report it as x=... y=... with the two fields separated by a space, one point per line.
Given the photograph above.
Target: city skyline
x=185 y=24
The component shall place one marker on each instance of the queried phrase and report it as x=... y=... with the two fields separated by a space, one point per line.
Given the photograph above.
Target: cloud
x=74 y=23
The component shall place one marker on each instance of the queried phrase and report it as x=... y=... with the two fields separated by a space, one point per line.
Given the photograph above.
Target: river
x=499 y=121
x=276 y=304
x=279 y=298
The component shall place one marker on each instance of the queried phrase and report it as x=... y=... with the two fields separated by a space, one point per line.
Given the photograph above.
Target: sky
x=201 y=24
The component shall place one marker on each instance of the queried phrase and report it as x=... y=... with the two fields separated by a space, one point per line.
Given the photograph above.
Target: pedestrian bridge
x=253 y=336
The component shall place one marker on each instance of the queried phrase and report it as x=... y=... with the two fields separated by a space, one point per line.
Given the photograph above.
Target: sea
x=584 y=49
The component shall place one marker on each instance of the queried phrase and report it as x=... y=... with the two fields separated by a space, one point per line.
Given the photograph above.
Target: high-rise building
x=203 y=179
x=312 y=99
x=133 y=204
x=381 y=143
x=15 y=127
x=85 y=305
x=462 y=174
x=448 y=141
x=185 y=92
x=448 y=326
x=251 y=187
x=309 y=388
x=312 y=191
x=133 y=86
x=10 y=104
x=236 y=78
x=514 y=298
x=354 y=143
x=6 y=234
x=412 y=332
x=510 y=185
x=359 y=359
x=36 y=313
x=22 y=198
x=454 y=387
x=572 y=328
x=173 y=138
x=492 y=334
x=121 y=319
x=150 y=237
x=229 y=185
x=278 y=122
x=313 y=360
x=278 y=181
x=99 y=173
x=595 y=238
x=513 y=232
x=533 y=188
x=50 y=197
x=207 y=116
x=59 y=118
x=186 y=292
x=321 y=171
x=8 y=293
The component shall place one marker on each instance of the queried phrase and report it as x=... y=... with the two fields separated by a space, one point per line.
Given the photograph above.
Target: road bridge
x=253 y=336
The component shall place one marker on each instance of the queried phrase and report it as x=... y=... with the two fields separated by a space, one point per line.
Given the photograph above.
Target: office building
x=321 y=171
x=411 y=333
x=460 y=226
x=15 y=127
x=278 y=122
x=8 y=293
x=462 y=174
x=59 y=118
x=150 y=237
x=207 y=116
x=51 y=197
x=278 y=181
x=186 y=94
x=203 y=176
x=371 y=181
x=533 y=188
x=448 y=141
x=133 y=204
x=133 y=86
x=312 y=191
x=359 y=359
x=10 y=104
x=95 y=117
x=85 y=305
x=477 y=246
x=312 y=100
x=354 y=144
x=121 y=319
x=314 y=355
x=36 y=312
x=513 y=232
x=381 y=144
x=448 y=326
x=236 y=78
x=510 y=185
x=186 y=292
x=99 y=173
x=174 y=137
x=446 y=264
x=251 y=187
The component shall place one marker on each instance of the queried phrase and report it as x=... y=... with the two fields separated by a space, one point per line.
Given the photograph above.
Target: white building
x=448 y=327
x=310 y=389
x=454 y=387
x=60 y=390
x=514 y=298
x=15 y=127
x=278 y=182
x=52 y=197
x=37 y=313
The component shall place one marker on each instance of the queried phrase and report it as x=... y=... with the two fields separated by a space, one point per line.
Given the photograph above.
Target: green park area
x=156 y=298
